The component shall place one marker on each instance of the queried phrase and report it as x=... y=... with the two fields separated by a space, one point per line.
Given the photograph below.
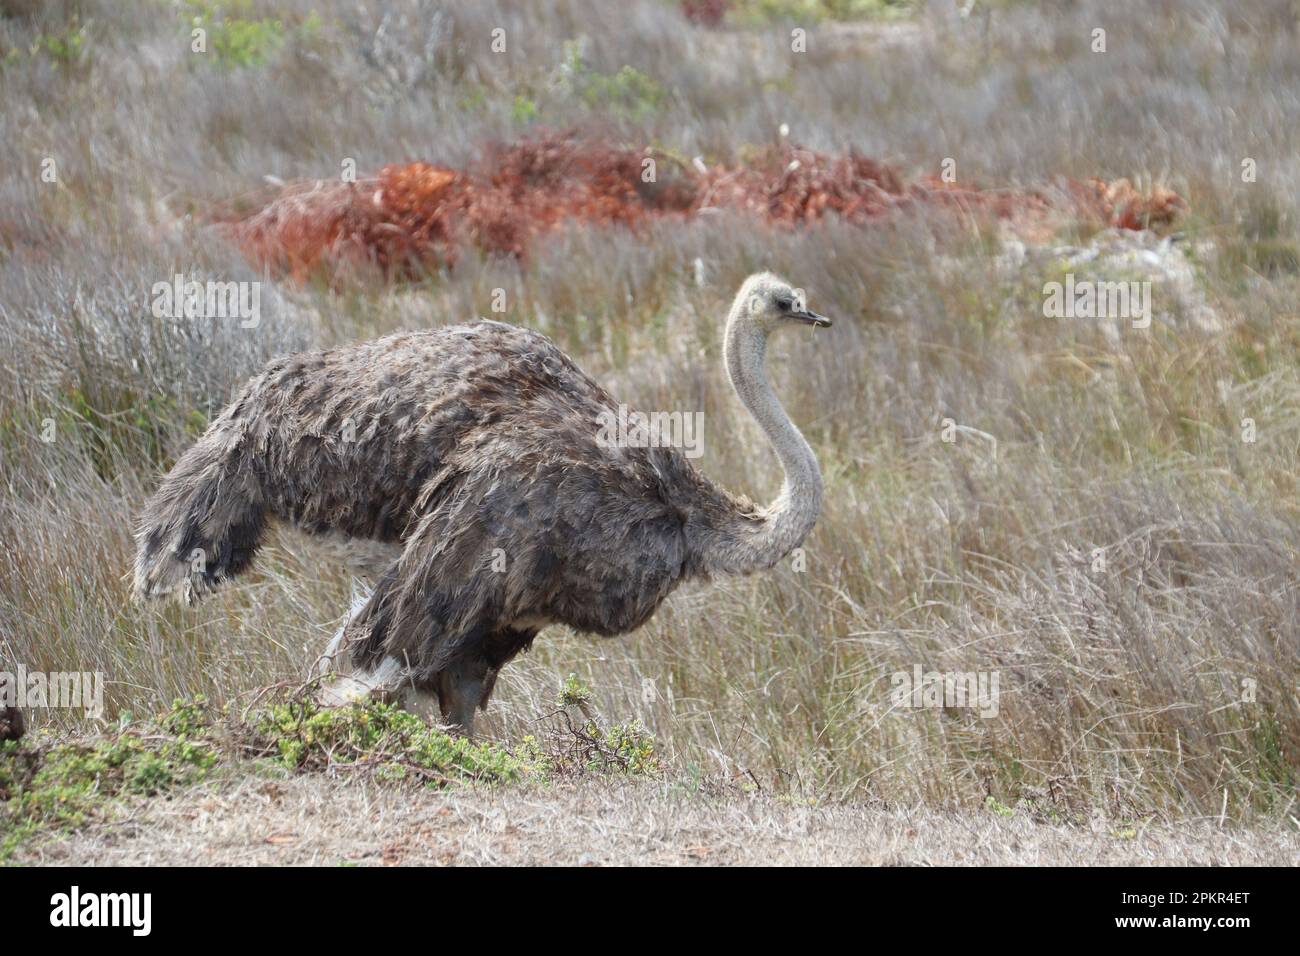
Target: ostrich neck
x=744 y=543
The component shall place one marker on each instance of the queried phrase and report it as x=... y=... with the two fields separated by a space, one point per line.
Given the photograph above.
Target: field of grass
x=1104 y=516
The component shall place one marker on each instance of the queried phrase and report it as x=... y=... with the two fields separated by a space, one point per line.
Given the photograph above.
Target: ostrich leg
x=462 y=688
x=467 y=683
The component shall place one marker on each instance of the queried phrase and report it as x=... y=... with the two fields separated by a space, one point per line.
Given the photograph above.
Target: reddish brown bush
x=415 y=217
x=707 y=13
x=1119 y=204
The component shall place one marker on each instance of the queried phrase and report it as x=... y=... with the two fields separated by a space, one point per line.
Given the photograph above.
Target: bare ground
x=322 y=821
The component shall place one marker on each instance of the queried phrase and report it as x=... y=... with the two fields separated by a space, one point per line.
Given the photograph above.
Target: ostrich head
x=766 y=303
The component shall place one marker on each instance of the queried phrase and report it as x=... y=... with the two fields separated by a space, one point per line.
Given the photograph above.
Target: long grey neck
x=747 y=543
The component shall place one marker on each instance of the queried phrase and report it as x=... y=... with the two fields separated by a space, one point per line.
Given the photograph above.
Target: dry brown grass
x=314 y=821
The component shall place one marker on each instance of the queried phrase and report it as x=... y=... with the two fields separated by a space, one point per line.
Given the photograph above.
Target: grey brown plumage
x=473 y=452
x=12 y=725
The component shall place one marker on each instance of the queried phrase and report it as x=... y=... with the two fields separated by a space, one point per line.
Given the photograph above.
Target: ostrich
x=460 y=470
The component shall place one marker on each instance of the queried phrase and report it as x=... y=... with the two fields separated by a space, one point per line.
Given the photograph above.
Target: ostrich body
x=462 y=472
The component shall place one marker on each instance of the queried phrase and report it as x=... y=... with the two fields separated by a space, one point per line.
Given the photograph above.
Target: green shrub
x=72 y=783
x=385 y=738
x=573 y=693
x=628 y=93
x=237 y=41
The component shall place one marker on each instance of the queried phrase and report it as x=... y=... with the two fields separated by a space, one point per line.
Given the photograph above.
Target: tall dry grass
x=1160 y=682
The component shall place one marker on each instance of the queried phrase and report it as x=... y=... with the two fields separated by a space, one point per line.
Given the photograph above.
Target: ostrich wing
x=516 y=532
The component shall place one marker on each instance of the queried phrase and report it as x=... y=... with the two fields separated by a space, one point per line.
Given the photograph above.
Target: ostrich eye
x=784 y=304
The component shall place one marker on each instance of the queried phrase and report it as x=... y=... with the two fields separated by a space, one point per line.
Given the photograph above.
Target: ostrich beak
x=815 y=319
